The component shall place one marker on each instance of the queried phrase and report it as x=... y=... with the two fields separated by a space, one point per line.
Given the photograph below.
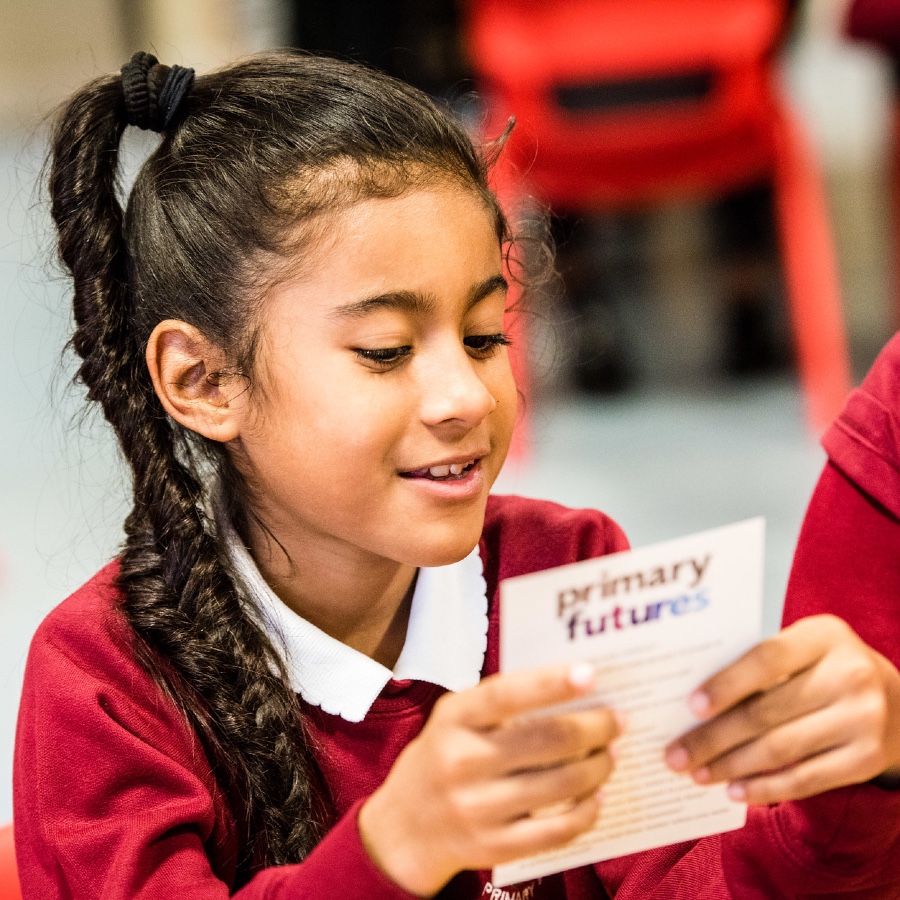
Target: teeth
x=455 y=469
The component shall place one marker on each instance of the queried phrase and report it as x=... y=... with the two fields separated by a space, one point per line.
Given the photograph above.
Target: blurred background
x=722 y=202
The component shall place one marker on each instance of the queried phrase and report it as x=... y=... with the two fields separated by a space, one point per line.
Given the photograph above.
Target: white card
x=656 y=622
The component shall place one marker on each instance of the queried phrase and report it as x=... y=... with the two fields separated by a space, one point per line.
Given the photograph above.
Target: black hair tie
x=178 y=85
x=143 y=108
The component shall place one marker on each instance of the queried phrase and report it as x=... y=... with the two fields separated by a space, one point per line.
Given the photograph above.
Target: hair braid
x=196 y=637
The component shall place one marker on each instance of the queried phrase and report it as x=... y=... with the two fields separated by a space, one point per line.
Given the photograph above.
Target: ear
x=187 y=376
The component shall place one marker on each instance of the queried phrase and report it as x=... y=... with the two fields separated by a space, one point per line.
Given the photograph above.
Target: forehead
x=436 y=241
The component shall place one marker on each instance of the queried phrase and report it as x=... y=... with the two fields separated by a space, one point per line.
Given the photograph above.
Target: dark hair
x=216 y=215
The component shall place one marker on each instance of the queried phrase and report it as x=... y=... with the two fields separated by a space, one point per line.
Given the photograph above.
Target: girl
x=284 y=687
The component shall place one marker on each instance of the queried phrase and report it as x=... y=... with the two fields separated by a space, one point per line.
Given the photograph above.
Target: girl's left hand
x=811 y=709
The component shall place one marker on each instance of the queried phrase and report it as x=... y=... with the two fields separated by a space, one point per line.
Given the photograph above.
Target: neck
x=360 y=599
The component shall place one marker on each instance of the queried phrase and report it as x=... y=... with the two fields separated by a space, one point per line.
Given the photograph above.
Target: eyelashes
x=479 y=346
x=485 y=344
x=383 y=356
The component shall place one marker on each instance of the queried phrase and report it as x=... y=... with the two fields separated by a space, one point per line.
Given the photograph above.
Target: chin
x=450 y=549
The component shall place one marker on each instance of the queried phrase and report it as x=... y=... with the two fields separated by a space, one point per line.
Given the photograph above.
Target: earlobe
x=186 y=371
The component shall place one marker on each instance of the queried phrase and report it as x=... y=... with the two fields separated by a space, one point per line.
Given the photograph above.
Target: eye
x=383 y=357
x=483 y=345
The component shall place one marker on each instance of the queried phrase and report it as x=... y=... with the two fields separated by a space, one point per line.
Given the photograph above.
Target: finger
x=848 y=676
x=534 y=792
x=853 y=724
x=534 y=834
x=501 y=697
x=532 y=743
x=779 y=749
x=824 y=772
x=770 y=662
x=750 y=719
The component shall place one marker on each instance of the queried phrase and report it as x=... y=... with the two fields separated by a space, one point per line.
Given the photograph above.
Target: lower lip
x=466 y=487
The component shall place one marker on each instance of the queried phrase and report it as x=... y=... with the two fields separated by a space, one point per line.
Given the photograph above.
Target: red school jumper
x=114 y=797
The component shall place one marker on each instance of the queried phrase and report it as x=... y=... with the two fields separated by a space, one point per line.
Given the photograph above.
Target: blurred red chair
x=629 y=102
x=9 y=880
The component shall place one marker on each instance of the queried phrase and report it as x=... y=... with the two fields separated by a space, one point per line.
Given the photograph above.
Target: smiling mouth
x=454 y=472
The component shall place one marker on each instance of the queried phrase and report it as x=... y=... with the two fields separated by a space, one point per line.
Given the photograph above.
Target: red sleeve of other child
x=848 y=557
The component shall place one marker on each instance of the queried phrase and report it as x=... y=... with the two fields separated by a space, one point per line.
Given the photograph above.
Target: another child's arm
x=459 y=796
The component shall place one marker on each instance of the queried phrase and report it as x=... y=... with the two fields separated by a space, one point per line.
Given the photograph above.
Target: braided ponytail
x=193 y=633
x=212 y=215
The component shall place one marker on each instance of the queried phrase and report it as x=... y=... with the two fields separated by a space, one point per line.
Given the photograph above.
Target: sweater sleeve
x=338 y=869
x=848 y=563
x=114 y=797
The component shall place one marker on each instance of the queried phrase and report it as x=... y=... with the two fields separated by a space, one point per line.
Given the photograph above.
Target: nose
x=452 y=390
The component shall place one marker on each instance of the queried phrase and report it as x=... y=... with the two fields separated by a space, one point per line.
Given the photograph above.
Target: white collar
x=446 y=638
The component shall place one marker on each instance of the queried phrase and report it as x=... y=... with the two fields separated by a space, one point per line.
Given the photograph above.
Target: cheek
x=503 y=388
x=336 y=415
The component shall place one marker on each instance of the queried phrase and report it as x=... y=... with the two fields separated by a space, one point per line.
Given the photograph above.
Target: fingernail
x=702 y=776
x=582 y=675
x=700 y=704
x=614 y=750
x=737 y=791
x=677 y=759
x=621 y=720
x=600 y=794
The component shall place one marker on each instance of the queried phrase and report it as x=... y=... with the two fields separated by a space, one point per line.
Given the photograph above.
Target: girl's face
x=384 y=401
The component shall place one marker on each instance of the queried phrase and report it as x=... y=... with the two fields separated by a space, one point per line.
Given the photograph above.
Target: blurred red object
x=877 y=21
x=9 y=879
x=629 y=102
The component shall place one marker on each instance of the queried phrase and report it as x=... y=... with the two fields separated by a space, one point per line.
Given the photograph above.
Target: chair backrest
x=627 y=97
x=9 y=879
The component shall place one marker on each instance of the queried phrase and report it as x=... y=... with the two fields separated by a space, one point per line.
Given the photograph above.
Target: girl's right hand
x=485 y=783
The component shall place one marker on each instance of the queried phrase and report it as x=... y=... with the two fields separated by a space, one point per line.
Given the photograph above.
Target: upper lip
x=456 y=460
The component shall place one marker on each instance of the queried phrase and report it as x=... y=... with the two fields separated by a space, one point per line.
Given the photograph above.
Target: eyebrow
x=415 y=303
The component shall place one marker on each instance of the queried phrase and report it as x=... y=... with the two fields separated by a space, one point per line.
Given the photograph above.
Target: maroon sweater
x=115 y=799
